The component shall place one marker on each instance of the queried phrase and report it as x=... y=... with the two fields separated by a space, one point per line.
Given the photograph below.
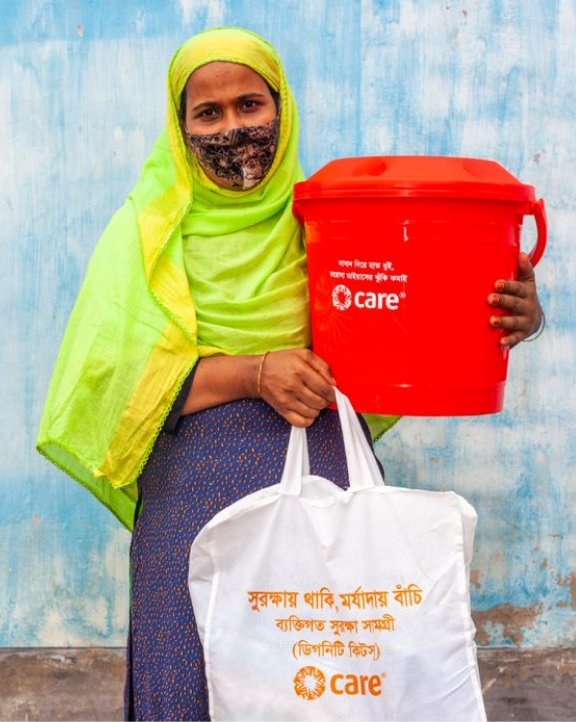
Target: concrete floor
x=86 y=684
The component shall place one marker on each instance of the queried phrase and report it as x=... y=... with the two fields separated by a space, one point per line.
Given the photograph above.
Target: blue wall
x=81 y=101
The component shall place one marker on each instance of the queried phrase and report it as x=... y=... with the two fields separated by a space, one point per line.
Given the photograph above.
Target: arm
x=520 y=298
x=295 y=382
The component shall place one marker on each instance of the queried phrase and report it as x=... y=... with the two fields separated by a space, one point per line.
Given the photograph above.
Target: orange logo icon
x=309 y=683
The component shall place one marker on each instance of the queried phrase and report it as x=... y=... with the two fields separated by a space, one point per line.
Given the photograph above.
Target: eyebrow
x=210 y=103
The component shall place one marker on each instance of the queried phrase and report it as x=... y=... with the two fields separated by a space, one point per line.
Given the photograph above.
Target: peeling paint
x=514 y=622
x=475 y=575
x=214 y=10
x=570 y=582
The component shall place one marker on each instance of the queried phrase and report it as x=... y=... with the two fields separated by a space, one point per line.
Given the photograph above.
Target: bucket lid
x=413 y=177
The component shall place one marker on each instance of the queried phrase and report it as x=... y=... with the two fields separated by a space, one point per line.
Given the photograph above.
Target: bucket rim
x=525 y=193
x=413 y=176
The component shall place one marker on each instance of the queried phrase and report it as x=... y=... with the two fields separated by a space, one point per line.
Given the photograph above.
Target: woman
x=193 y=318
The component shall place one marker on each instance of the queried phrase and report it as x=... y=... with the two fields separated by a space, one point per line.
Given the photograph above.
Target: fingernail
x=494 y=299
x=500 y=285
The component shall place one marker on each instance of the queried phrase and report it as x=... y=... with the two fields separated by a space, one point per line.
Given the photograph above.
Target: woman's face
x=221 y=96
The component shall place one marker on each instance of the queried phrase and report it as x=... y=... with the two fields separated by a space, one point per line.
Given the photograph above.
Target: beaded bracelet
x=259 y=379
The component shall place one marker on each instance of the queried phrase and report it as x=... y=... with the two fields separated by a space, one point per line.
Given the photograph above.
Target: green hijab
x=132 y=338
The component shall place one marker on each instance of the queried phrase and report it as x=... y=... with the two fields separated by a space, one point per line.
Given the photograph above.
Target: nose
x=231 y=119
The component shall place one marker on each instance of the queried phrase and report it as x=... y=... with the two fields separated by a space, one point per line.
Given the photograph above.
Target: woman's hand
x=520 y=298
x=297 y=384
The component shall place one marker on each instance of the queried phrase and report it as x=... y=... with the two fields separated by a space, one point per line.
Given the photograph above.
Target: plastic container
x=403 y=252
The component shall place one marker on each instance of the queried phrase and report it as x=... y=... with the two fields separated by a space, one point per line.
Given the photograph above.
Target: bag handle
x=297 y=462
x=363 y=471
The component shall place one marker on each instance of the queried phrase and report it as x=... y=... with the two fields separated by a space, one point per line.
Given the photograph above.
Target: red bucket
x=403 y=252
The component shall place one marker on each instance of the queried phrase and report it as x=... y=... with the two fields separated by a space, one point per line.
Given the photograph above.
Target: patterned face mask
x=240 y=156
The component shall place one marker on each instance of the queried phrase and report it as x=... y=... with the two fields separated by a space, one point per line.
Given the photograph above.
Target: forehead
x=216 y=78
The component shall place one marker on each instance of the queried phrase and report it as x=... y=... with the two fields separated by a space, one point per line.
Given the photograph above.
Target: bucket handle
x=538 y=210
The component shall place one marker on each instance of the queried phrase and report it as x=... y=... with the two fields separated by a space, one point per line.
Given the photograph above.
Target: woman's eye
x=208 y=113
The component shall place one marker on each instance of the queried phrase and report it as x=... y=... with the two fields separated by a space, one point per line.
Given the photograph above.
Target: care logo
x=342 y=297
x=309 y=683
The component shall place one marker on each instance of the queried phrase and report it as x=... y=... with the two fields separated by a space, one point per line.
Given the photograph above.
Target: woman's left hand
x=520 y=299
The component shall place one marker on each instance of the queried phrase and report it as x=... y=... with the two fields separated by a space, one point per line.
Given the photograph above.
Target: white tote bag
x=317 y=603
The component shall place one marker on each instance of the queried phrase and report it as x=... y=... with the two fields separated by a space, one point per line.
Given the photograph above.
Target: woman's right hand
x=297 y=384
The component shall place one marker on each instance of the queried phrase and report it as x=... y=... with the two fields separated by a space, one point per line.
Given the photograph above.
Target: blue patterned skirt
x=216 y=457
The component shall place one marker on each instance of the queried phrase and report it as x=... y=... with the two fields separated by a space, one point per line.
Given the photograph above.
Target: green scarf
x=132 y=338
